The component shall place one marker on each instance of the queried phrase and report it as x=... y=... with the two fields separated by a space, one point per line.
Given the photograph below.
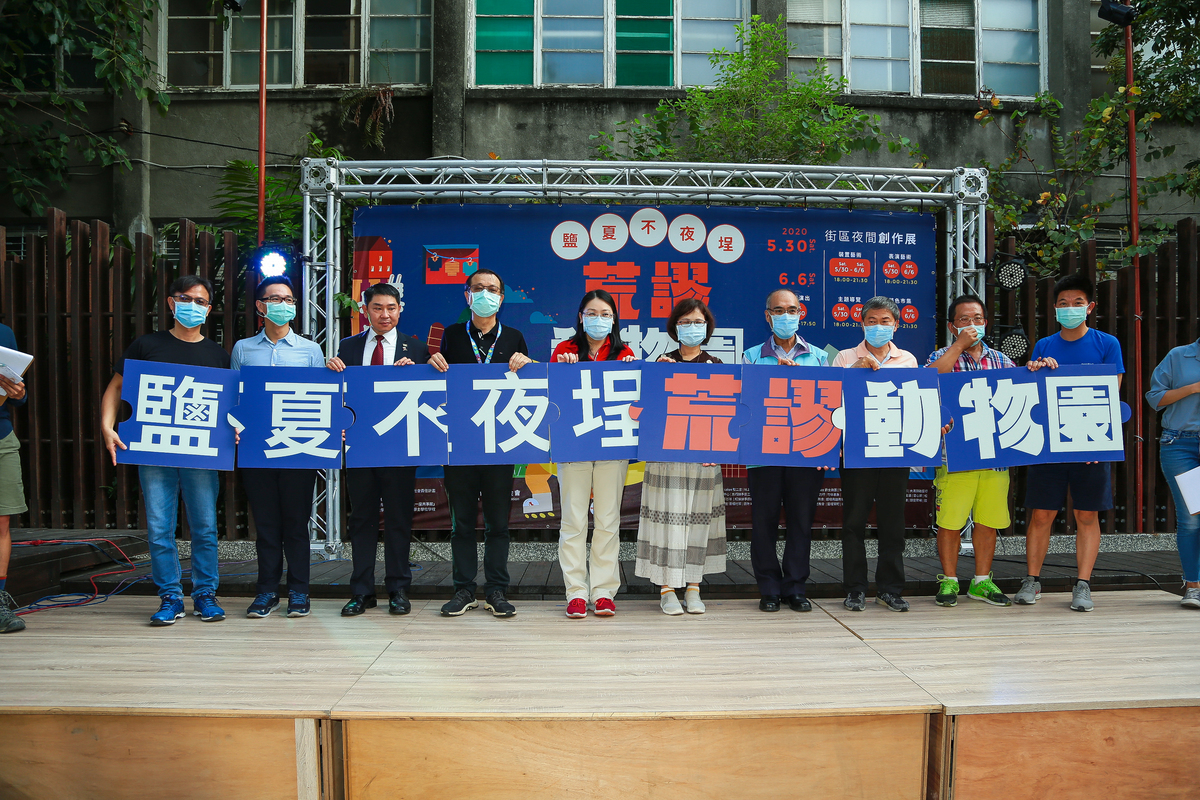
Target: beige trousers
x=579 y=482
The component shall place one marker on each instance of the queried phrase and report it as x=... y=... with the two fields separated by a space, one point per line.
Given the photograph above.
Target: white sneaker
x=1191 y=597
x=670 y=603
x=694 y=604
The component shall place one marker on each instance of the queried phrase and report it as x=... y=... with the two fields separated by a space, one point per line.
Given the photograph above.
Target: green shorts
x=12 y=490
x=978 y=493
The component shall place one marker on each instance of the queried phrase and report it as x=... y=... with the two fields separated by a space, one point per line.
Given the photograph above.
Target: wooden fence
x=76 y=301
x=1171 y=317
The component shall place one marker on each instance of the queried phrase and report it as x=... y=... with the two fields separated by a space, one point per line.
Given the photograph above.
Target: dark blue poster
x=593 y=402
x=1014 y=417
x=293 y=418
x=649 y=258
x=794 y=416
x=179 y=416
x=399 y=416
x=499 y=417
x=893 y=418
x=690 y=413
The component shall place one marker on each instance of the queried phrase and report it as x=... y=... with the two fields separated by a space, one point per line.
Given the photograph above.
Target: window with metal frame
x=606 y=43
x=922 y=47
x=309 y=43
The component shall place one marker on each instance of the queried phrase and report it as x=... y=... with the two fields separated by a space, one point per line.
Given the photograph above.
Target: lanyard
x=491 y=350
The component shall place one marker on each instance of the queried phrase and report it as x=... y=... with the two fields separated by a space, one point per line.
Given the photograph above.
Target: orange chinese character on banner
x=672 y=283
x=619 y=280
x=700 y=411
x=801 y=421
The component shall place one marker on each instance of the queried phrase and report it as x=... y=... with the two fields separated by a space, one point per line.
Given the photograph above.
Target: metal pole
x=1136 y=400
x=262 y=121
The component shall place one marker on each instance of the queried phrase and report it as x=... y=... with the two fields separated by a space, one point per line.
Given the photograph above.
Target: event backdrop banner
x=649 y=258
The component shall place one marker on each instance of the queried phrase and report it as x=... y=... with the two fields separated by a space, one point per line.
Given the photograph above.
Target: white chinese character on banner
x=922 y=421
x=194 y=405
x=726 y=344
x=979 y=424
x=649 y=345
x=522 y=413
x=588 y=396
x=883 y=421
x=1084 y=413
x=1015 y=402
x=301 y=414
x=910 y=238
x=410 y=410
x=619 y=420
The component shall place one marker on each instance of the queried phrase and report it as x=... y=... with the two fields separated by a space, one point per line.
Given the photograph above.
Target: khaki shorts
x=12 y=490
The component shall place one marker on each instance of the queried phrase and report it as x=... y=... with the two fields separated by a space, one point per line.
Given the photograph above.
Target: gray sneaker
x=1030 y=592
x=1191 y=597
x=855 y=601
x=1081 y=597
x=9 y=622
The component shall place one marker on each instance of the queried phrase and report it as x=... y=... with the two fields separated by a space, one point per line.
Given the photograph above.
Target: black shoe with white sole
x=893 y=602
x=462 y=602
x=498 y=604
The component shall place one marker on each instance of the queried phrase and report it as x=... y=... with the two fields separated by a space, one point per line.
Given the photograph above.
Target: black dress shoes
x=398 y=603
x=769 y=602
x=798 y=602
x=358 y=604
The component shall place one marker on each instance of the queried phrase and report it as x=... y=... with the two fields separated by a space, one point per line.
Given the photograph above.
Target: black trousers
x=394 y=488
x=281 y=502
x=883 y=488
x=796 y=489
x=465 y=488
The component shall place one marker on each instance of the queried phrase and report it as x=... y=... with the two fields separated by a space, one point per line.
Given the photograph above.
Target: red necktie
x=377 y=356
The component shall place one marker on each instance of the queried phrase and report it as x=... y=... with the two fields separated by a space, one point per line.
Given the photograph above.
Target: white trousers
x=579 y=482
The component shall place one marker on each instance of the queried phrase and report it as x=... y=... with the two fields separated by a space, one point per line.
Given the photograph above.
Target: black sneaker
x=264 y=603
x=298 y=604
x=855 y=601
x=498 y=604
x=462 y=602
x=891 y=601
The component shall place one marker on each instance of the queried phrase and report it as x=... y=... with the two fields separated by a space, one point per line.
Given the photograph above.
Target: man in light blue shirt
x=280 y=499
x=793 y=488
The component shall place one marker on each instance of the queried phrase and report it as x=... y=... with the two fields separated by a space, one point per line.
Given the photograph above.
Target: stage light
x=1010 y=272
x=272 y=260
x=1010 y=340
x=233 y=5
x=1116 y=13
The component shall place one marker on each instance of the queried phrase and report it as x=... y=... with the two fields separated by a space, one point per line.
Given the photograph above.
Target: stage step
x=530 y=580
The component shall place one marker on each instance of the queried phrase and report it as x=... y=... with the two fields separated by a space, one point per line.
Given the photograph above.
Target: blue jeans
x=160 y=490
x=1178 y=452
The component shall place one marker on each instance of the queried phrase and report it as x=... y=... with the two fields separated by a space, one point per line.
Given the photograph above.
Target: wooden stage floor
x=831 y=697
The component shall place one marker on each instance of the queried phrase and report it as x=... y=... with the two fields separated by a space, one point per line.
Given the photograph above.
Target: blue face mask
x=280 y=313
x=190 y=315
x=878 y=335
x=979 y=329
x=1071 y=317
x=691 y=335
x=485 y=304
x=597 y=328
x=785 y=325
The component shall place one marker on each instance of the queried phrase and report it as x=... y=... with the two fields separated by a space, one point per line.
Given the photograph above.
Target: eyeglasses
x=488 y=289
x=976 y=320
x=700 y=324
x=601 y=315
x=779 y=311
x=276 y=300
x=183 y=298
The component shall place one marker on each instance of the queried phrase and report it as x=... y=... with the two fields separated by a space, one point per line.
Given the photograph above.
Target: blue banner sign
x=794 y=416
x=497 y=416
x=179 y=416
x=893 y=418
x=399 y=416
x=593 y=401
x=293 y=418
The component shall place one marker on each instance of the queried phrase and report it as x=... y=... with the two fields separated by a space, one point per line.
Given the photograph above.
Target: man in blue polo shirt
x=793 y=488
x=1089 y=485
x=280 y=499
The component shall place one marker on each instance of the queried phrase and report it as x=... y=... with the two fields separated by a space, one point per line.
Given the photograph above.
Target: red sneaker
x=577 y=608
x=605 y=607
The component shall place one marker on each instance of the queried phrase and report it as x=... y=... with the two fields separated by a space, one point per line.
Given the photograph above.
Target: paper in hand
x=13 y=364
x=1189 y=487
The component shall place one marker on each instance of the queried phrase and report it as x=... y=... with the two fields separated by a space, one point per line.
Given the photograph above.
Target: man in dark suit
x=379 y=345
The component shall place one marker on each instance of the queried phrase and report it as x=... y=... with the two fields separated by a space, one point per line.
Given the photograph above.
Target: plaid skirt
x=681 y=529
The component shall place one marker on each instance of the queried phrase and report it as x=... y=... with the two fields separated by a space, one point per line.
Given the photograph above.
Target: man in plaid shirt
x=979 y=494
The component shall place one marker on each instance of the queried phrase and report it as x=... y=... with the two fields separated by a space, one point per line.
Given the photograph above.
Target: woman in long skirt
x=681 y=531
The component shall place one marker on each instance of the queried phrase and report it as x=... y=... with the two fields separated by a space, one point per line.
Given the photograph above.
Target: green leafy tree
x=753 y=114
x=47 y=48
x=1166 y=57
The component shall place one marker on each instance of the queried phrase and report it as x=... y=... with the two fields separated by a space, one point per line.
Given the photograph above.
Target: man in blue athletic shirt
x=1089 y=485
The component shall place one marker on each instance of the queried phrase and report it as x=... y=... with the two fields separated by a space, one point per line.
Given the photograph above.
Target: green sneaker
x=947 y=593
x=988 y=592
